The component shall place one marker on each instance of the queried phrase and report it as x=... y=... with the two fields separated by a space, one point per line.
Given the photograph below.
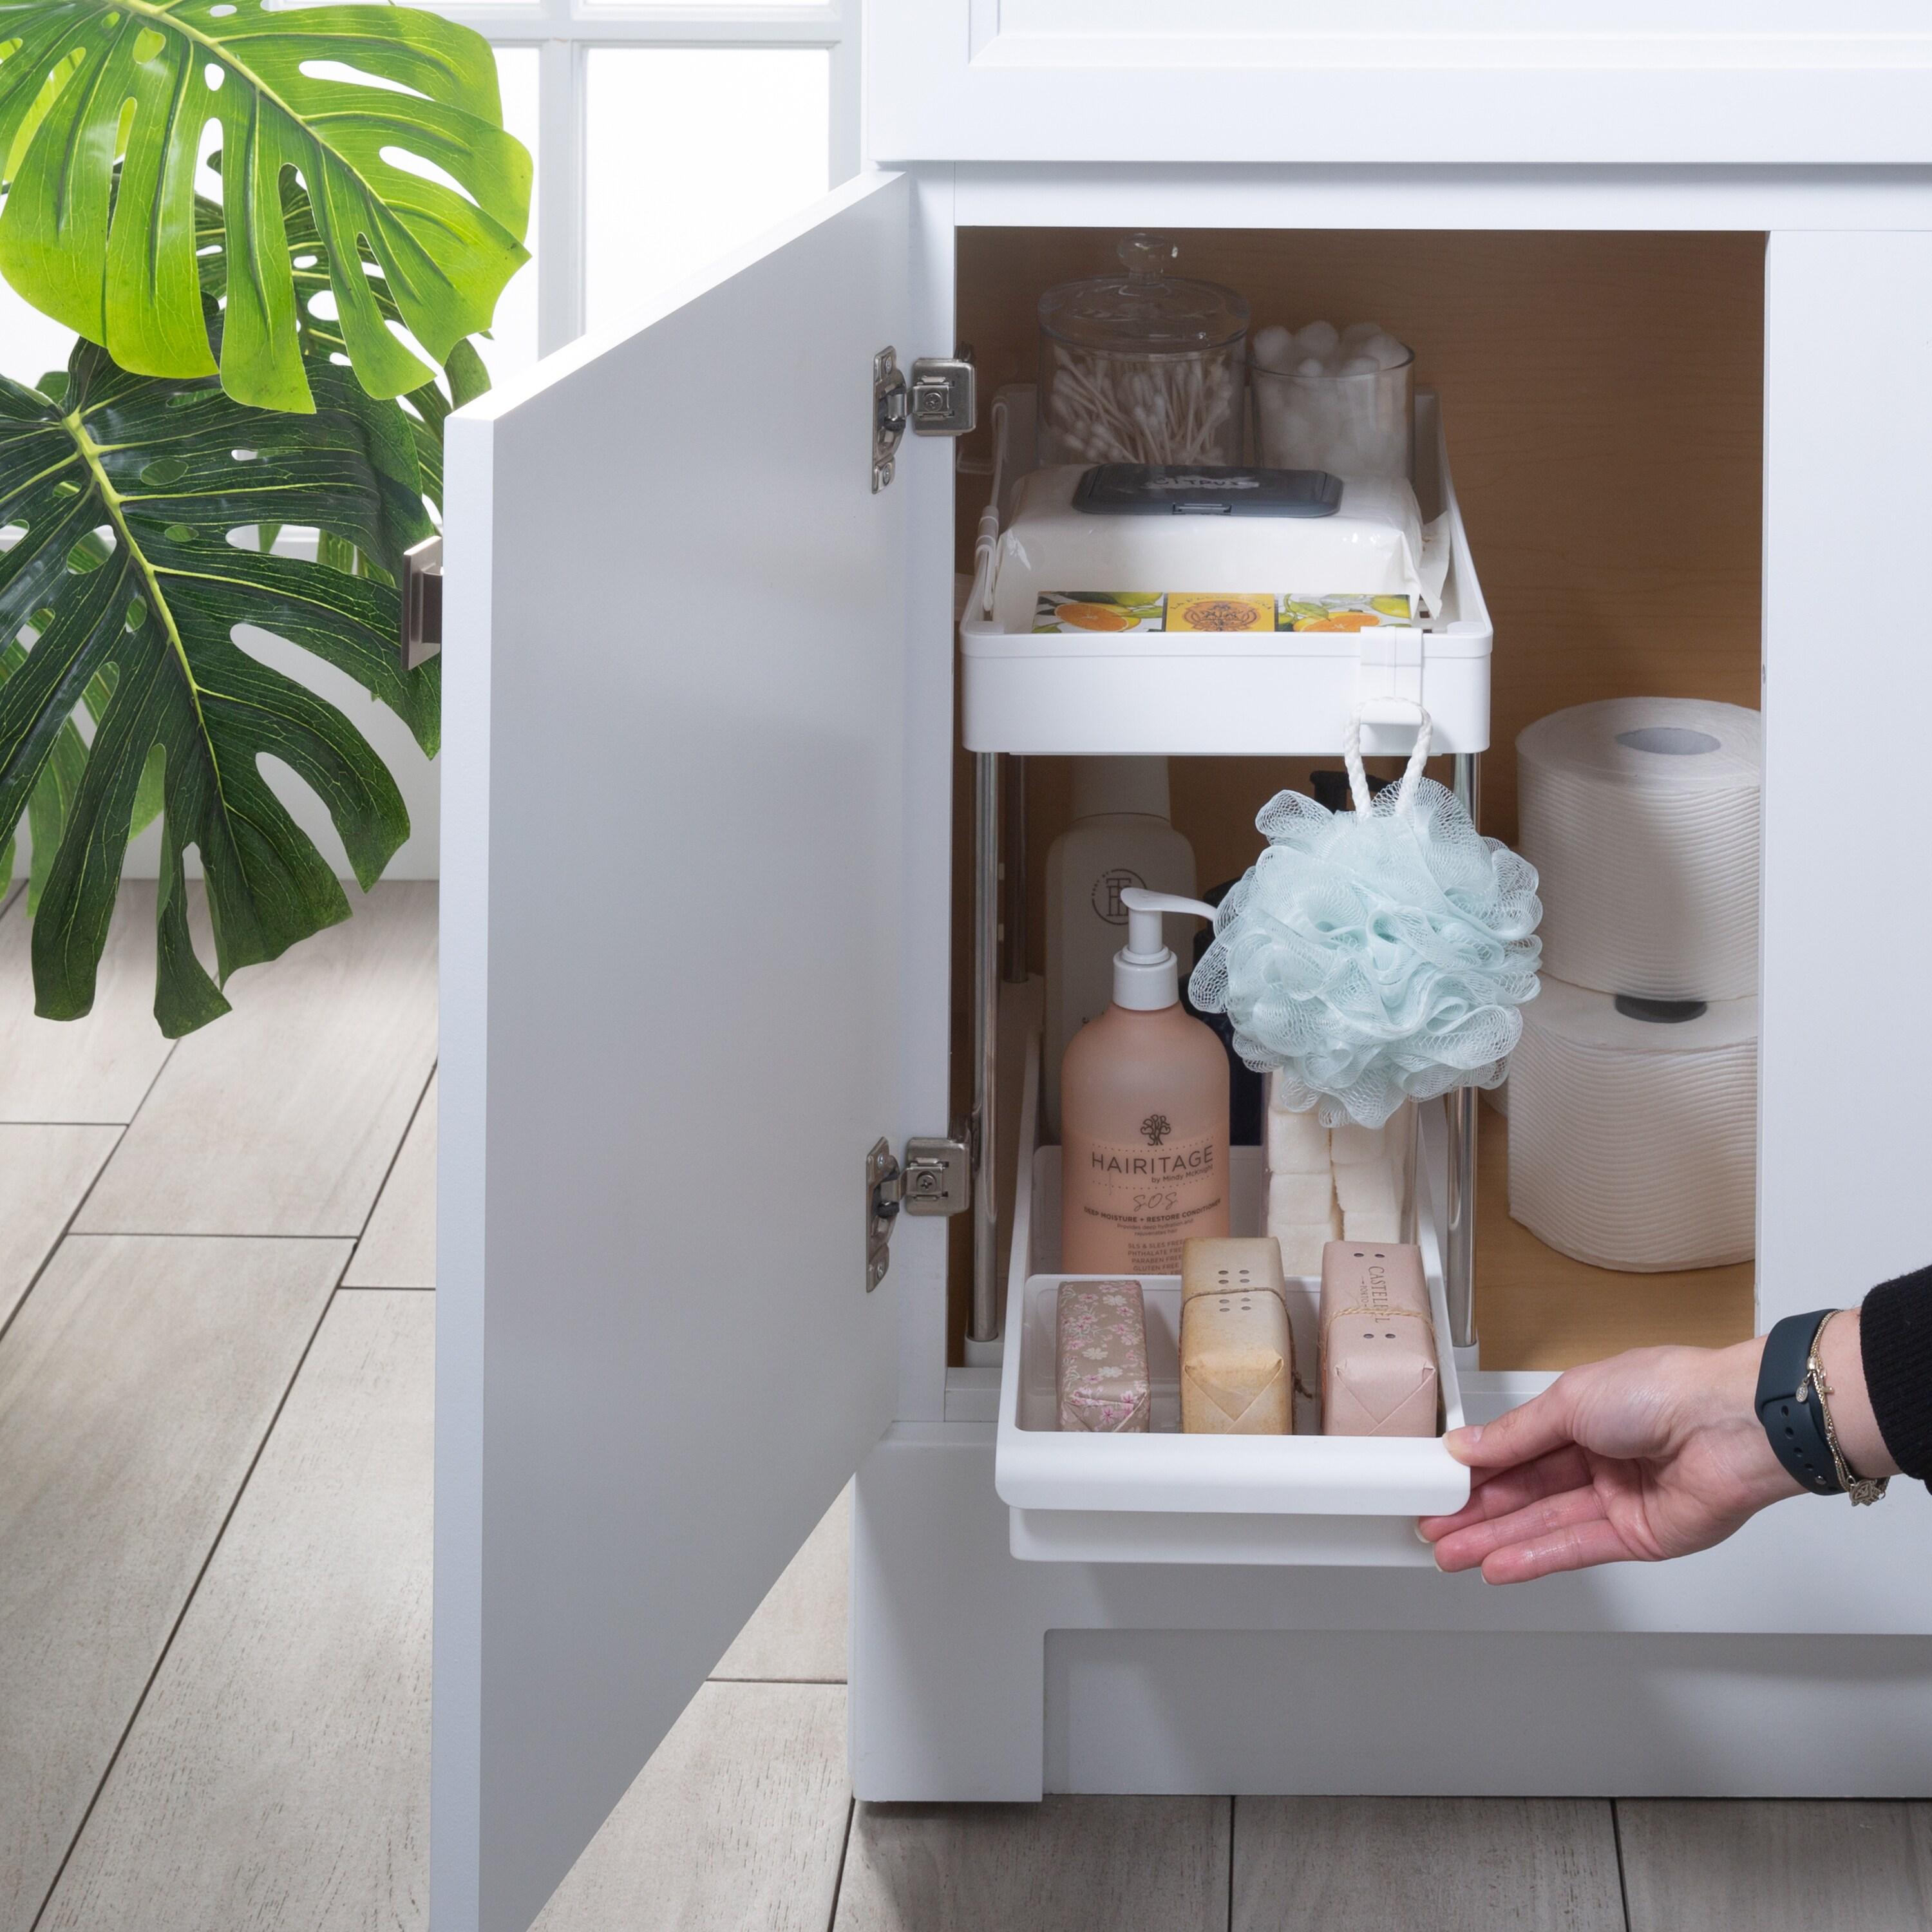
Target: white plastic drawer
x=1289 y=693
x=1165 y=1497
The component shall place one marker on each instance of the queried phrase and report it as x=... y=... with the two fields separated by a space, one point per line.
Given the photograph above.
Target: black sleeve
x=1895 y=1340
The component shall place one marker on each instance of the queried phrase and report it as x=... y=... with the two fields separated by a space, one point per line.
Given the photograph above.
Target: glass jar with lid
x=1142 y=366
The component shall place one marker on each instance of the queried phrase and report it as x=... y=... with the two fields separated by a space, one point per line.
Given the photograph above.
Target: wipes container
x=1142 y=366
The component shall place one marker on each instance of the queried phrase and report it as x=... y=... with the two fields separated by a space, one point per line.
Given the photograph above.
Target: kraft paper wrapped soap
x=1101 y=1370
x=1236 y=1353
x=1378 y=1371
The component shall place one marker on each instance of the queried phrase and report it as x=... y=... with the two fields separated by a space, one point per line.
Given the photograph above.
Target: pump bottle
x=1144 y=1115
x=1122 y=835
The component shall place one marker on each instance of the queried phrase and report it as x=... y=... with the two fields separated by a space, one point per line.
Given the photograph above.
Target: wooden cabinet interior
x=1603 y=395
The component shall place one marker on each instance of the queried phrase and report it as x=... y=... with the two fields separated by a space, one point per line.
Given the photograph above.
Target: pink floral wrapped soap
x=1102 y=1358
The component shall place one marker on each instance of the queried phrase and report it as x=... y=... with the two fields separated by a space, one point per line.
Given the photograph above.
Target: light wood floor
x=214 y=1574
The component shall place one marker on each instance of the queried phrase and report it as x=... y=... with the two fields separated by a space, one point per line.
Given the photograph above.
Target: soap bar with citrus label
x=1237 y=1352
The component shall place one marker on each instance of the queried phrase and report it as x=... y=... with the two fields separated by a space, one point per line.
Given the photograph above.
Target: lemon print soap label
x=1091 y=612
x=1098 y=611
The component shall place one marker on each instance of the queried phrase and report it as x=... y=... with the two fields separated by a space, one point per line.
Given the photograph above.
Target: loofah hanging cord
x=1411 y=776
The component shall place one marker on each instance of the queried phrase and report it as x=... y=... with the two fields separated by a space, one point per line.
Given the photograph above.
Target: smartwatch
x=1789 y=1408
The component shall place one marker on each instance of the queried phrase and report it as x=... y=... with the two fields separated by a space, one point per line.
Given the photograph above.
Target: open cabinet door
x=672 y=803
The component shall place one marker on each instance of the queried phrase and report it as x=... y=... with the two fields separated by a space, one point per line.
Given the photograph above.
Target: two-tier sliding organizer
x=1166 y=1497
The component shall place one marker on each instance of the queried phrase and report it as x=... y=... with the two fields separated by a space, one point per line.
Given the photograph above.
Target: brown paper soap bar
x=1378 y=1375
x=1237 y=1354
x=1102 y=1360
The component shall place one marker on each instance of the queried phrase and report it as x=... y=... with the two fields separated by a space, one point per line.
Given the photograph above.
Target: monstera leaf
x=136 y=503
x=102 y=104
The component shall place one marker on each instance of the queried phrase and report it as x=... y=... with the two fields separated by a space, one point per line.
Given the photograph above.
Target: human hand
x=1650 y=1454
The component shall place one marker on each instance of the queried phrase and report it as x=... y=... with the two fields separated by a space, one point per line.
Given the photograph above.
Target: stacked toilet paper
x=1633 y=1139
x=1634 y=1145
x=1640 y=815
x=1349 y=1184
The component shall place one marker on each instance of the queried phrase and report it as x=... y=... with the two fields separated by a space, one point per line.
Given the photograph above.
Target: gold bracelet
x=1860 y=1489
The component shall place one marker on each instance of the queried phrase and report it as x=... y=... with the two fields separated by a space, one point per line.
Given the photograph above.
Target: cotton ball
x=1313 y=365
x=1360 y=331
x=1274 y=347
x=1318 y=338
x=1361 y=365
x=1385 y=351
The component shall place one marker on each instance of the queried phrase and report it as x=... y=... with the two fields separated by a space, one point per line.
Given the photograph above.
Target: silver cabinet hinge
x=937 y=1178
x=422 y=602
x=942 y=399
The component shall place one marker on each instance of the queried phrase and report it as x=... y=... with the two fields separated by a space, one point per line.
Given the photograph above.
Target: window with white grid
x=663 y=136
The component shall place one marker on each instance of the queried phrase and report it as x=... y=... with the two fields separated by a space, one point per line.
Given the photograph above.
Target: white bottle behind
x=1121 y=835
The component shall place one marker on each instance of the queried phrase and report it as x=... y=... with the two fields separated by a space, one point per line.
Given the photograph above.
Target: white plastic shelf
x=1287 y=694
x=1165 y=1497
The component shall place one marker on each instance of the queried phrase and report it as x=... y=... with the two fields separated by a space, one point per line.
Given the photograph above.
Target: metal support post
x=1013 y=875
x=1459 y=1262
x=984 y=1325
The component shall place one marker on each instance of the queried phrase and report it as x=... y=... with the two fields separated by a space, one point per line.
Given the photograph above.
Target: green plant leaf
x=87 y=86
x=133 y=496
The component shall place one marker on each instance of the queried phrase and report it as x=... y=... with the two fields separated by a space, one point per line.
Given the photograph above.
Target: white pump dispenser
x=1147 y=976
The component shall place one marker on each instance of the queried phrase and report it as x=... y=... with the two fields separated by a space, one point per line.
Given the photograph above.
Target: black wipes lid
x=1205 y=489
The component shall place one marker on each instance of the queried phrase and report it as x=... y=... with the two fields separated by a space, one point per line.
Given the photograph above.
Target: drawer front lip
x=1343 y=1542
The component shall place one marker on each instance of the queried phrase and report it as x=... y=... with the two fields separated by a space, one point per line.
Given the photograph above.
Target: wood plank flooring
x=136 y=1384
x=1693 y=1866
x=284 y=1117
x=215 y=1547
x=1129 y=1865
x=1362 y=1864
x=96 y=1069
x=45 y=1173
x=279 y=1775
x=397 y=1250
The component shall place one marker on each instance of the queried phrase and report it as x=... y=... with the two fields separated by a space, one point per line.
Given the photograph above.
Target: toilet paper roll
x=1640 y=815
x=1633 y=1145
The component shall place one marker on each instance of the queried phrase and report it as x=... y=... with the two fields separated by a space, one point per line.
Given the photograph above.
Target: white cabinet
x=1474 y=82
x=698 y=891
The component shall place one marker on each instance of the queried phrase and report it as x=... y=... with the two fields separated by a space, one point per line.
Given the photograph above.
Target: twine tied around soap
x=1380 y=1314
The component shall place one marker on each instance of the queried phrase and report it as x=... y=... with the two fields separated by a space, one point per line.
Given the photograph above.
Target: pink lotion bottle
x=1143 y=1115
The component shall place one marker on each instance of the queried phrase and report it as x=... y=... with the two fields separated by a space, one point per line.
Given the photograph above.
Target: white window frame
x=563 y=32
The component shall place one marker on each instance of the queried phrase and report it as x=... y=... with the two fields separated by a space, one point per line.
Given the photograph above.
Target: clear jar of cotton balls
x=1338 y=400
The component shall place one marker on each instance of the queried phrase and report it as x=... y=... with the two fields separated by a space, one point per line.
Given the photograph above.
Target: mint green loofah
x=1375 y=958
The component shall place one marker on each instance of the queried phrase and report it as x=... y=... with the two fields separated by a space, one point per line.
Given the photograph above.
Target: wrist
x=1841 y=1357
x=1731 y=1392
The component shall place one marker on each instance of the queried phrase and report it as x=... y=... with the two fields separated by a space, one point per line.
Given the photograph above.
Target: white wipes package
x=1371 y=544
